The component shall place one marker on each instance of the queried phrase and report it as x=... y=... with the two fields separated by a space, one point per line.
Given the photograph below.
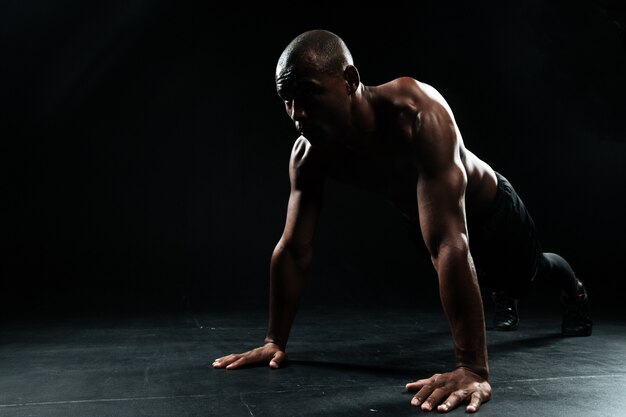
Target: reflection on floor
x=342 y=362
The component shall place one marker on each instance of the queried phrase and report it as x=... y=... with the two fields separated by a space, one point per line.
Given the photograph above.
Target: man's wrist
x=481 y=371
x=269 y=340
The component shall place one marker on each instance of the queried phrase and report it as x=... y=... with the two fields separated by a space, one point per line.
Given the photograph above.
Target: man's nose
x=297 y=112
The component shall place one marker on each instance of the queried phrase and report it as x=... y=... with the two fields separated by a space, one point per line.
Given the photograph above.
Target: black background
x=145 y=151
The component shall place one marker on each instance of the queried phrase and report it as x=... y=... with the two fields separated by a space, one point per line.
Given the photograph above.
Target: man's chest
x=388 y=171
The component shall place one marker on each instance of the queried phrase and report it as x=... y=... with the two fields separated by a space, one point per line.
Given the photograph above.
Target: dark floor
x=343 y=362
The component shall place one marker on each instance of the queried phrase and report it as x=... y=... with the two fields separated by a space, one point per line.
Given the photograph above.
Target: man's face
x=317 y=102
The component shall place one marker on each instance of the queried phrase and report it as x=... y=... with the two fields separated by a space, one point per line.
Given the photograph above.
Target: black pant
x=504 y=243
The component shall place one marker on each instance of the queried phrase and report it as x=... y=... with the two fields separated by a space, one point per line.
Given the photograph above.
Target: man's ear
x=351 y=75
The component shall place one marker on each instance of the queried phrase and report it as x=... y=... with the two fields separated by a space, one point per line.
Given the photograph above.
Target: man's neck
x=363 y=124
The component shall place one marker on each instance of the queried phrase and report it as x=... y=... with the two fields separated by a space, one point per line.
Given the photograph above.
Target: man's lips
x=307 y=130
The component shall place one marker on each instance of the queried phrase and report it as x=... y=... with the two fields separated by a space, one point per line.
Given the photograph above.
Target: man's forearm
x=462 y=303
x=288 y=270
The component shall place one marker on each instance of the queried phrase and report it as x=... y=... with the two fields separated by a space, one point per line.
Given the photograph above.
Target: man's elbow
x=449 y=250
x=300 y=254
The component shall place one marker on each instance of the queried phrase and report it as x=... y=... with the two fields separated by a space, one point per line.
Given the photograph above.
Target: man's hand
x=270 y=352
x=450 y=390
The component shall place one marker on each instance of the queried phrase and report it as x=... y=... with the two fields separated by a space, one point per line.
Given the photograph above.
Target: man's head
x=315 y=77
x=321 y=49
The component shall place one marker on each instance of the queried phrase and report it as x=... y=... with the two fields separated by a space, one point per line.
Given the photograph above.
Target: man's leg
x=506 y=241
x=576 y=312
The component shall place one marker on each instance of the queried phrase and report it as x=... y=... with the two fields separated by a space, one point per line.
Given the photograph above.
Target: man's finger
x=434 y=399
x=417 y=385
x=452 y=401
x=475 y=402
x=238 y=362
x=277 y=359
x=224 y=360
x=422 y=395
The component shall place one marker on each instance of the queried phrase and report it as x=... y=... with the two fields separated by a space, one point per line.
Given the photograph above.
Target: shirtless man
x=400 y=139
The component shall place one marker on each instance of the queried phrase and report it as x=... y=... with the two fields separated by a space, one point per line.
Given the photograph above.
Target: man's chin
x=315 y=137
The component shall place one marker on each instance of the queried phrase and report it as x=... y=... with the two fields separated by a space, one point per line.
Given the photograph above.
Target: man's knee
x=557 y=271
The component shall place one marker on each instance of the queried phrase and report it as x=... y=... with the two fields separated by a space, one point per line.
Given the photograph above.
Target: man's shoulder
x=305 y=159
x=300 y=151
x=404 y=90
x=398 y=88
x=400 y=102
x=408 y=96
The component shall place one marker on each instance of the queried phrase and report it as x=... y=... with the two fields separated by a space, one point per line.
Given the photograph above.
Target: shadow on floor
x=360 y=368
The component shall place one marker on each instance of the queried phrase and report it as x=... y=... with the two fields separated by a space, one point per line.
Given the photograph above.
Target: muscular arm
x=290 y=260
x=441 y=203
x=294 y=252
